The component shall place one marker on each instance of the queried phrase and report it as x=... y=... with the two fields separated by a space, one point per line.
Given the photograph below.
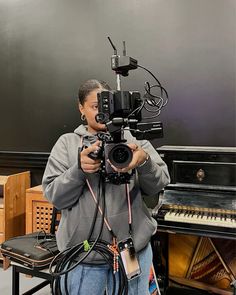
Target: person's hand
x=87 y=164
x=139 y=157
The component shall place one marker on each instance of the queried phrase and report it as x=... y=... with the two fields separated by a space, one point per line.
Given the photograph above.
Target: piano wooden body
x=196 y=217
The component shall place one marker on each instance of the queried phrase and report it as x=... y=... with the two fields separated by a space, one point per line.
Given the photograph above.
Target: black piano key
x=233 y=217
x=176 y=212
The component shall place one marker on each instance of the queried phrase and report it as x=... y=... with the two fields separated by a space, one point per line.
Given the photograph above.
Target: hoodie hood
x=87 y=137
x=82 y=130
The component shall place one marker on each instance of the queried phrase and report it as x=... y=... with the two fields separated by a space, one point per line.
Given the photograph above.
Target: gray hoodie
x=65 y=186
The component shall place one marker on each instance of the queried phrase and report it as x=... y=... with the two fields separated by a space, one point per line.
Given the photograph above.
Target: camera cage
x=121 y=110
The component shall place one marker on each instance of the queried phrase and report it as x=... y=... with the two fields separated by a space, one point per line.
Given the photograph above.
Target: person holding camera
x=72 y=183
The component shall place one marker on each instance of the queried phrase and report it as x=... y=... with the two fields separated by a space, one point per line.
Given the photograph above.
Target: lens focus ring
x=120 y=155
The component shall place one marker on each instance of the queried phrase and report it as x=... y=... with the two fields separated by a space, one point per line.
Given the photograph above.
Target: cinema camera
x=121 y=111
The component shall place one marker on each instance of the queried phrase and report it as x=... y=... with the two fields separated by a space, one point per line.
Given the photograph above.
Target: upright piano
x=198 y=208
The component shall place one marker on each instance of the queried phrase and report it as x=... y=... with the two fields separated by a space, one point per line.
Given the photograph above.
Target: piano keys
x=197 y=212
x=206 y=216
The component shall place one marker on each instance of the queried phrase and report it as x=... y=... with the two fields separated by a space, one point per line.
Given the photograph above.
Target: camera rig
x=122 y=110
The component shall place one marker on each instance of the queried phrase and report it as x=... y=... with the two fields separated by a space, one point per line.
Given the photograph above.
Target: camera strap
x=114 y=247
x=101 y=212
x=99 y=208
x=129 y=208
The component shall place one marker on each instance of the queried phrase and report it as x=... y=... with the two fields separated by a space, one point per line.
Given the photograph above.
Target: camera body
x=116 y=154
x=115 y=110
x=118 y=110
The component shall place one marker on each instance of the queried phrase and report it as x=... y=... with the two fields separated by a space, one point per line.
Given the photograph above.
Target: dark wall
x=47 y=48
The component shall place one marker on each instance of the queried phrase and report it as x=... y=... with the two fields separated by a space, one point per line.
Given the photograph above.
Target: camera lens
x=120 y=155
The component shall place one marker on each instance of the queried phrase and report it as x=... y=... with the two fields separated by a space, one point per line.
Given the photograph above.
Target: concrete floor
x=25 y=283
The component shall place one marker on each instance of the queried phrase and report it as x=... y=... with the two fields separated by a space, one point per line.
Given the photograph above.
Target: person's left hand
x=139 y=156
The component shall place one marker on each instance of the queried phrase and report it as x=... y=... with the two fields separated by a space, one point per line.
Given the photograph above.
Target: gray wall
x=47 y=48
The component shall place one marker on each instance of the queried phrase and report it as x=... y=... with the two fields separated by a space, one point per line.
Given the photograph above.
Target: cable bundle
x=70 y=258
x=66 y=261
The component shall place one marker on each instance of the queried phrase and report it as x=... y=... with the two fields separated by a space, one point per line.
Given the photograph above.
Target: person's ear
x=81 y=108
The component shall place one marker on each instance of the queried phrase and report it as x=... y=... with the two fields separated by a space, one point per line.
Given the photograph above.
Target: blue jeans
x=86 y=280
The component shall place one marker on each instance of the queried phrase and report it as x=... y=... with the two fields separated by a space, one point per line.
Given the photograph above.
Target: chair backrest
x=55 y=219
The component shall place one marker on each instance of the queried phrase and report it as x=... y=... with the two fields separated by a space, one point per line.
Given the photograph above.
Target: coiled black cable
x=156 y=102
x=68 y=259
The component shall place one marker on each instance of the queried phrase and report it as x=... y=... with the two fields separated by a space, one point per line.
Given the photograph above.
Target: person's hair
x=89 y=86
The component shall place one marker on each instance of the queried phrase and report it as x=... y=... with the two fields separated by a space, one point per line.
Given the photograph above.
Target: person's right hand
x=87 y=164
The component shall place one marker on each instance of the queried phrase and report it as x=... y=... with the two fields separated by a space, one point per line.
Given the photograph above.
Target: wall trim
x=23 y=159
